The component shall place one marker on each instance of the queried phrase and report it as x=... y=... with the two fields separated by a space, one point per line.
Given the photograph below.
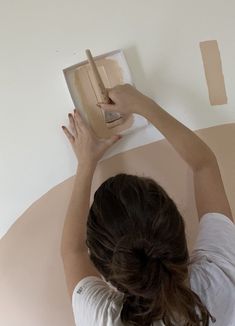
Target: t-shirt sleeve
x=216 y=237
x=94 y=302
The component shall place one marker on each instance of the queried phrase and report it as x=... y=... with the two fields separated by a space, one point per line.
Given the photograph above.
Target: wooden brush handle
x=100 y=84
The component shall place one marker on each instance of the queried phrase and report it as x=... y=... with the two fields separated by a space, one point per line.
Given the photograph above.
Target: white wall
x=40 y=38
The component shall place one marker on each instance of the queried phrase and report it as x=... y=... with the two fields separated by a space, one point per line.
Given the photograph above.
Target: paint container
x=114 y=70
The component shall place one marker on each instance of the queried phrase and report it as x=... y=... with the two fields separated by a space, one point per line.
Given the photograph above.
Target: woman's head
x=136 y=238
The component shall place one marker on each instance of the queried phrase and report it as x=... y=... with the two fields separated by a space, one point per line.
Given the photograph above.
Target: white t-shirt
x=212 y=277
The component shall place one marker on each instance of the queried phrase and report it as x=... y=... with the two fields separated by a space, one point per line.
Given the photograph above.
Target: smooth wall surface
x=160 y=39
x=33 y=289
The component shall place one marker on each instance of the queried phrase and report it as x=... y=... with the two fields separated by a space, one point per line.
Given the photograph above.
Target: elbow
x=208 y=161
x=207 y=158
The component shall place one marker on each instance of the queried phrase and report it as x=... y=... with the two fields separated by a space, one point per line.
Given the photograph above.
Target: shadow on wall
x=31 y=276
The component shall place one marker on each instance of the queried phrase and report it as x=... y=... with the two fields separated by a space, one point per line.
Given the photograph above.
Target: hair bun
x=146 y=247
x=136 y=267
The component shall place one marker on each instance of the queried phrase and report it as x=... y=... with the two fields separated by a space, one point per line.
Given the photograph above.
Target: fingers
x=112 y=93
x=107 y=107
x=79 y=123
x=77 y=126
x=72 y=124
x=70 y=137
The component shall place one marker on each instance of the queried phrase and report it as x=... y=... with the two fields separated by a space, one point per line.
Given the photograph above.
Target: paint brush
x=110 y=117
x=100 y=84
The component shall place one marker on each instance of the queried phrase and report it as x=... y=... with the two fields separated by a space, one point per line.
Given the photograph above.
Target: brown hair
x=136 y=238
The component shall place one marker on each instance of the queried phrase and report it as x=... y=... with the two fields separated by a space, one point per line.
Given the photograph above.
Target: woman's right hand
x=126 y=99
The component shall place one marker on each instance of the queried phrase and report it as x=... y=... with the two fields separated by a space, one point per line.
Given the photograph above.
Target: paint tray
x=114 y=70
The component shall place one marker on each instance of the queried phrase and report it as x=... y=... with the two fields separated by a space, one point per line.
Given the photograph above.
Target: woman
x=138 y=270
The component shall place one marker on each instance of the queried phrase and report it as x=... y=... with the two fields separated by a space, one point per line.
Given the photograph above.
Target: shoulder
x=216 y=238
x=212 y=261
x=94 y=302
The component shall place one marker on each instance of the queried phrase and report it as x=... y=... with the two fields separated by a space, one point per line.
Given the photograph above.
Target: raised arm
x=209 y=191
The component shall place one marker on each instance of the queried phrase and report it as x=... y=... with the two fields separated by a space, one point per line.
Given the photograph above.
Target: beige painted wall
x=160 y=39
x=32 y=285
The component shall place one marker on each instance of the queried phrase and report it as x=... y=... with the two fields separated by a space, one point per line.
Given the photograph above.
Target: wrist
x=148 y=109
x=87 y=166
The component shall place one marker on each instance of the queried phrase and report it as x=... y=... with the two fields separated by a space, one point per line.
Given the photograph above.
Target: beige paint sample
x=213 y=71
x=32 y=282
x=111 y=75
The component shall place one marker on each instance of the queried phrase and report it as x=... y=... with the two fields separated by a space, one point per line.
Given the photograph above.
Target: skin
x=88 y=150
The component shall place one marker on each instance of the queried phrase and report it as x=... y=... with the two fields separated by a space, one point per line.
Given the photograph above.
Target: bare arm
x=189 y=146
x=210 y=194
x=209 y=190
x=88 y=150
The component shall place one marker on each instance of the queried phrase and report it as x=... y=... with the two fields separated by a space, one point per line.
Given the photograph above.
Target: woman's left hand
x=87 y=147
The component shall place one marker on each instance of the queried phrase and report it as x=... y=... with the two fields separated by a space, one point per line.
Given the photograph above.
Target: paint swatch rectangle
x=214 y=73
